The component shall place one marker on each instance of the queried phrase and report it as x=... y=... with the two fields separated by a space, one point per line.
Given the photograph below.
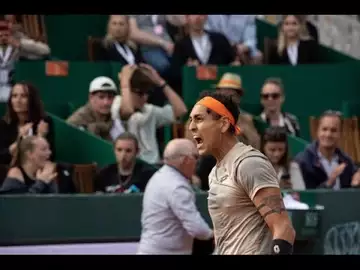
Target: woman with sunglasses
x=272 y=98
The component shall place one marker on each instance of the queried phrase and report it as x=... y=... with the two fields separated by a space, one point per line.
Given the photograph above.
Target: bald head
x=179 y=147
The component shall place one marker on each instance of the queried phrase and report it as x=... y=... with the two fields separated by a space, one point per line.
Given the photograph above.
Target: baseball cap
x=102 y=83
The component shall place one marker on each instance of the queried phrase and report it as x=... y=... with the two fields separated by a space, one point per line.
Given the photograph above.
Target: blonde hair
x=282 y=42
x=109 y=39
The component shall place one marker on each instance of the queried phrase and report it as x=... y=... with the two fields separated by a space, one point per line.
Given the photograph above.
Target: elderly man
x=170 y=220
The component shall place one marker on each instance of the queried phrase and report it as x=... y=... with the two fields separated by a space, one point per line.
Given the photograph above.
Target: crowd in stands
x=153 y=50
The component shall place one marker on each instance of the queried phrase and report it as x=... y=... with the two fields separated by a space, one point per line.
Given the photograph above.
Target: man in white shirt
x=170 y=220
x=139 y=117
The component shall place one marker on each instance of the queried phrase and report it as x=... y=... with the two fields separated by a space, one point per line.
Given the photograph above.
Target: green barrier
x=80 y=218
x=350 y=108
x=265 y=29
x=305 y=86
x=73 y=88
x=80 y=147
x=84 y=218
x=68 y=34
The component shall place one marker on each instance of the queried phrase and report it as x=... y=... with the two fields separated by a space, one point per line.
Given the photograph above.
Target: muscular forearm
x=285 y=232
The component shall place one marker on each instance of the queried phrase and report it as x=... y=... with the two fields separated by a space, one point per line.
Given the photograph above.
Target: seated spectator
x=142 y=119
x=294 y=45
x=25 y=116
x=240 y=30
x=14 y=45
x=95 y=116
x=128 y=174
x=31 y=171
x=323 y=164
x=116 y=45
x=202 y=47
x=272 y=99
x=309 y=27
x=150 y=32
x=275 y=147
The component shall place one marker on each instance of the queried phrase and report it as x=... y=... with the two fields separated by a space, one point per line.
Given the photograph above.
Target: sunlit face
x=139 y=98
x=125 y=152
x=291 y=26
x=41 y=152
x=275 y=151
x=329 y=132
x=101 y=101
x=205 y=130
x=119 y=27
x=197 y=21
x=271 y=97
x=19 y=99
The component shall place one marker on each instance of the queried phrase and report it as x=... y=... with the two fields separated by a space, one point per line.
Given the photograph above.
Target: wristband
x=281 y=247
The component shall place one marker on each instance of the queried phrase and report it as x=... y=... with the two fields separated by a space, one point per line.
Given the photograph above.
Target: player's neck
x=227 y=145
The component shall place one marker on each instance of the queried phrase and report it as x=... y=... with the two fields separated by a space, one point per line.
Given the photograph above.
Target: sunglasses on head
x=271 y=95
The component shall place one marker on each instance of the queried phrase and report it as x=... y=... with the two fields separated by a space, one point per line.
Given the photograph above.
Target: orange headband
x=219 y=108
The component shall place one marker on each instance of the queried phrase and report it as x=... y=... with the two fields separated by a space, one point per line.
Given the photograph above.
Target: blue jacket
x=314 y=174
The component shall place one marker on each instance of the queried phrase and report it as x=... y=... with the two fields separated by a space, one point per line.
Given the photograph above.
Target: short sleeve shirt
x=238 y=226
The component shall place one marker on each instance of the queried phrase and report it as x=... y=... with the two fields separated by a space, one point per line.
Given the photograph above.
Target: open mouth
x=198 y=140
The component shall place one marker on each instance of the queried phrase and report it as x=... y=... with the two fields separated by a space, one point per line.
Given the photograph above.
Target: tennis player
x=245 y=203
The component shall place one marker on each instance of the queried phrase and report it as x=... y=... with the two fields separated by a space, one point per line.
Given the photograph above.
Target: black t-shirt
x=109 y=180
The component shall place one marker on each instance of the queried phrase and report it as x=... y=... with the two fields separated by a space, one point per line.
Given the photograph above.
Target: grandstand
x=84 y=216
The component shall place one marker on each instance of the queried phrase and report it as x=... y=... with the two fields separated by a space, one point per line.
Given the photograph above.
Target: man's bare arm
x=270 y=205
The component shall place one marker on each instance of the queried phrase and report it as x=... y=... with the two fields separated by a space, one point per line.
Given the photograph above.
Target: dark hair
x=277 y=81
x=331 y=113
x=127 y=136
x=141 y=81
x=24 y=145
x=36 y=110
x=227 y=101
x=277 y=134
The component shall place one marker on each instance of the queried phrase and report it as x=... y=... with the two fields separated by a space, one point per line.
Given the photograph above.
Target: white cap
x=102 y=83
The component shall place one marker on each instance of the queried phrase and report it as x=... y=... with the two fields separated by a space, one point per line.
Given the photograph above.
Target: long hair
x=282 y=42
x=109 y=39
x=24 y=145
x=277 y=134
x=36 y=110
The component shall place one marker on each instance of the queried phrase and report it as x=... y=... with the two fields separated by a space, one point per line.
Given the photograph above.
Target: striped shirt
x=170 y=220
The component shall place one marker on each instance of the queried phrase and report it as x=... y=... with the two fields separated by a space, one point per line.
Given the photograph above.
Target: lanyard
x=126 y=53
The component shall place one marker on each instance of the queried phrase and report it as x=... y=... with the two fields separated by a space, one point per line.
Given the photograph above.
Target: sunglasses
x=271 y=95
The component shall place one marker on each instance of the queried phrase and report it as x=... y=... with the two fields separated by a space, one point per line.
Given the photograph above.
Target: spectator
x=272 y=99
x=175 y=26
x=169 y=218
x=240 y=30
x=199 y=47
x=294 y=45
x=323 y=164
x=31 y=170
x=149 y=31
x=14 y=45
x=142 y=119
x=202 y=47
x=275 y=147
x=95 y=116
x=128 y=174
x=310 y=28
x=25 y=116
x=116 y=45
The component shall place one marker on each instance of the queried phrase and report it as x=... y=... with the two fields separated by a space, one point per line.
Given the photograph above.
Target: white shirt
x=329 y=167
x=170 y=220
x=144 y=124
x=292 y=51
